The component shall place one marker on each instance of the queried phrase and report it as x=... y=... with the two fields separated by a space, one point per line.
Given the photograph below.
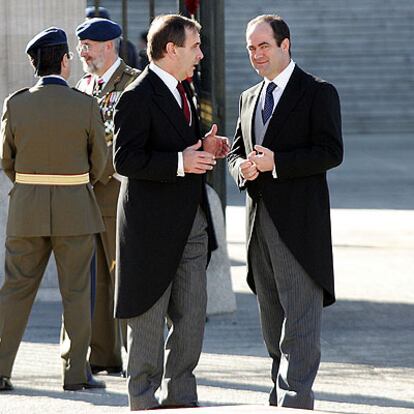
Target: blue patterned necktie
x=269 y=102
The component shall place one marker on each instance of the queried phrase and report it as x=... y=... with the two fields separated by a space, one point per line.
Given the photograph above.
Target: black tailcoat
x=156 y=209
x=305 y=135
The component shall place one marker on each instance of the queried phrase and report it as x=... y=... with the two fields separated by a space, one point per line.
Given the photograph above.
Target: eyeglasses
x=69 y=55
x=83 y=48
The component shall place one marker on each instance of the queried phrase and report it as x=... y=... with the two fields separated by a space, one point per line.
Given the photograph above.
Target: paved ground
x=368 y=335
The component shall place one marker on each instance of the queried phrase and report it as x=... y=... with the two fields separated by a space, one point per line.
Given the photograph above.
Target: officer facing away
x=53 y=150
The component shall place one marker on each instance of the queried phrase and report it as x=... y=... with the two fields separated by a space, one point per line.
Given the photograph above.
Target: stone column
x=20 y=21
x=221 y=298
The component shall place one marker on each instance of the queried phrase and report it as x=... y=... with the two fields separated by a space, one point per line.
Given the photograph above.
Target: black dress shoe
x=96 y=369
x=5 y=384
x=193 y=405
x=92 y=383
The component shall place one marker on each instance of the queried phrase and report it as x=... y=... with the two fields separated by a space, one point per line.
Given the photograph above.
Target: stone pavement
x=367 y=338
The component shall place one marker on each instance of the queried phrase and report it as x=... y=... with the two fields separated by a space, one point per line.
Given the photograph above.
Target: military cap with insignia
x=90 y=12
x=98 y=29
x=52 y=36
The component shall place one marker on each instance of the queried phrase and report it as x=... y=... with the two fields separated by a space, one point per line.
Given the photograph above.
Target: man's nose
x=257 y=54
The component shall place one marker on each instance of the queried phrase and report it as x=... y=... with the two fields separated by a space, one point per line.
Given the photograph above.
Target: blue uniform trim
x=51 y=81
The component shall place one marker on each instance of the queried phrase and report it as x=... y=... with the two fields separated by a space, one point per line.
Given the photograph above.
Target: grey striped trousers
x=290 y=304
x=184 y=305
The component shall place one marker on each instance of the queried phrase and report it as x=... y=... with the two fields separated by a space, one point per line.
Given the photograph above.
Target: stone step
x=345 y=34
x=349 y=10
x=365 y=78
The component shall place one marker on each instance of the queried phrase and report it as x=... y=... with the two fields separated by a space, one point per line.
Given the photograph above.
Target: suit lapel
x=247 y=119
x=291 y=95
x=165 y=100
x=193 y=109
x=115 y=78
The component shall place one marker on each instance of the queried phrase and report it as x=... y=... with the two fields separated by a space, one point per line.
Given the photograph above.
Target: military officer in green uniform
x=53 y=150
x=106 y=77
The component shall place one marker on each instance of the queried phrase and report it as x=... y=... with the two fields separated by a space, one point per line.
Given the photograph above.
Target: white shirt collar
x=282 y=79
x=108 y=74
x=166 y=77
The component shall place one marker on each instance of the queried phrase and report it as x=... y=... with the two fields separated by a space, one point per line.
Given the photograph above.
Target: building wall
x=20 y=20
x=364 y=47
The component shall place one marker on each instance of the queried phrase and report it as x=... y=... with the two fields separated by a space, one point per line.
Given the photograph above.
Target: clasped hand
x=259 y=160
x=197 y=162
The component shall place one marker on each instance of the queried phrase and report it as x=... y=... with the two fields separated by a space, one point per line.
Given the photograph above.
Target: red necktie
x=185 y=107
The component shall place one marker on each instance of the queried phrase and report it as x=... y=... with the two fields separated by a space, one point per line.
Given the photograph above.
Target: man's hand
x=248 y=169
x=197 y=162
x=216 y=144
x=263 y=158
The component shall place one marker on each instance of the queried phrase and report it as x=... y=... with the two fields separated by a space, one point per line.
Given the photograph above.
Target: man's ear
x=65 y=61
x=64 y=64
x=285 y=45
x=109 y=45
x=170 y=49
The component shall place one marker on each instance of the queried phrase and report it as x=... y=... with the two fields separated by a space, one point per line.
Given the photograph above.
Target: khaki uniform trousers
x=25 y=263
x=108 y=333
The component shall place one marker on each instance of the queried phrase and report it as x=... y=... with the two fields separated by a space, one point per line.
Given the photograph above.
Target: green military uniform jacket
x=52 y=129
x=107 y=187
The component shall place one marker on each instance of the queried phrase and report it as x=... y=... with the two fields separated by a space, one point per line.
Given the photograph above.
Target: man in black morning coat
x=164 y=226
x=288 y=135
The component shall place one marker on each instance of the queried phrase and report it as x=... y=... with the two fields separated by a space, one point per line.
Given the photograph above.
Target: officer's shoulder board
x=18 y=92
x=85 y=79
x=131 y=71
x=86 y=76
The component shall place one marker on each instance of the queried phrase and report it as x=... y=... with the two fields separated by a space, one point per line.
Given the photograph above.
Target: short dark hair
x=168 y=28
x=279 y=26
x=47 y=60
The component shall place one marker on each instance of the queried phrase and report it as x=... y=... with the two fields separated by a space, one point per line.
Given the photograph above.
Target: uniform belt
x=52 y=179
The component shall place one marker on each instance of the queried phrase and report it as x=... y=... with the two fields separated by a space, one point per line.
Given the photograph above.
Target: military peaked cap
x=52 y=36
x=98 y=29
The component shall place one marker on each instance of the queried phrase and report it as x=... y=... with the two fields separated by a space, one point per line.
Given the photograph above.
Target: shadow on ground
x=95 y=397
x=361 y=332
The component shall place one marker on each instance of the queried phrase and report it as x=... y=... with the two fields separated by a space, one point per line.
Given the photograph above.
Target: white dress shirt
x=281 y=81
x=171 y=84
x=108 y=74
